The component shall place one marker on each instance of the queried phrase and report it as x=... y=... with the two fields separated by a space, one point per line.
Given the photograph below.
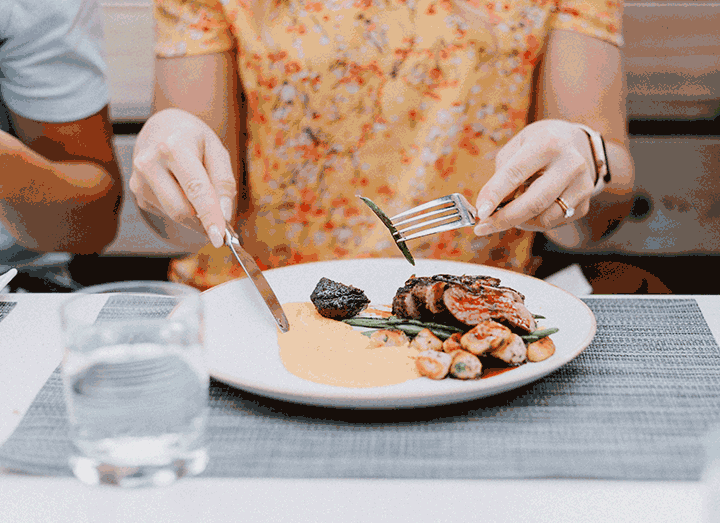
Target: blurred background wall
x=672 y=55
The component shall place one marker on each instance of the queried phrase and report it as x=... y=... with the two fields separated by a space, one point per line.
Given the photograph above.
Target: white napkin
x=571 y=279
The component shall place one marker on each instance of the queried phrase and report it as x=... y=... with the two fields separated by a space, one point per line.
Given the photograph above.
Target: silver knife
x=256 y=276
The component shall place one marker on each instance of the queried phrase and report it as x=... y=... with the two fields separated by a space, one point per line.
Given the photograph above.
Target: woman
x=401 y=101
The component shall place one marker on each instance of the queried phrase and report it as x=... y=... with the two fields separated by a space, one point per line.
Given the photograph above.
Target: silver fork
x=439 y=215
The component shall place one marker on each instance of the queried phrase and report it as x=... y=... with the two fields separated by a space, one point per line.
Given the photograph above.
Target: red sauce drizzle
x=489 y=372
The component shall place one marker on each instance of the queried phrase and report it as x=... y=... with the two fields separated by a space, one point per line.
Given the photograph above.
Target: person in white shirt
x=60 y=185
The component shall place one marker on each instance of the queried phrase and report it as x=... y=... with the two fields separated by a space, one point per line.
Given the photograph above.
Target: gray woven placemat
x=6 y=307
x=634 y=405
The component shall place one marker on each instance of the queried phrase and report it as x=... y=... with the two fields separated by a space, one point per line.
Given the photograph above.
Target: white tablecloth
x=30 y=349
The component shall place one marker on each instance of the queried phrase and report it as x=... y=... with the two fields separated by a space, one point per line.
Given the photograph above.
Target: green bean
x=430 y=325
x=392 y=321
x=367 y=322
x=539 y=334
x=414 y=330
x=386 y=221
x=384 y=323
x=441 y=331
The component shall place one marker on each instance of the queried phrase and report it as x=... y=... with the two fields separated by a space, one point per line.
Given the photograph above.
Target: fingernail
x=226 y=208
x=484 y=210
x=215 y=237
x=483 y=229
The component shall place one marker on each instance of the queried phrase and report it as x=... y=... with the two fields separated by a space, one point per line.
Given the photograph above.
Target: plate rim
x=347 y=397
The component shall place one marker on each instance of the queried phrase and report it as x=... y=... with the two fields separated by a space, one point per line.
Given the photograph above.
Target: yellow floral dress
x=400 y=101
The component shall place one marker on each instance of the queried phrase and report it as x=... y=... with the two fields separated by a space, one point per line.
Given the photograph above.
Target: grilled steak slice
x=469 y=281
x=478 y=283
x=467 y=299
x=430 y=295
x=490 y=303
x=409 y=304
x=420 y=298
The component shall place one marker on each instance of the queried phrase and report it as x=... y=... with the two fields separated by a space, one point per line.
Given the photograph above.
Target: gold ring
x=567 y=210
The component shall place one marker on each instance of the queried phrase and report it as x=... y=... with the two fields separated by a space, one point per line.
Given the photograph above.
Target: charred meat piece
x=337 y=301
x=466 y=299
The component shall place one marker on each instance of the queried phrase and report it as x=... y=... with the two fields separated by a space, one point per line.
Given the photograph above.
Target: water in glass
x=137 y=396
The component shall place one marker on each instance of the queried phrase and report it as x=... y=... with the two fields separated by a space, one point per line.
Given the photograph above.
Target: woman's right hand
x=182 y=171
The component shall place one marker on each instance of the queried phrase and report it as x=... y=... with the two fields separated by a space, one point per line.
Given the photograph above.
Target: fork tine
x=453 y=212
x=434 y=230
x=423 y=207
x=444 y=210
x=455 y=217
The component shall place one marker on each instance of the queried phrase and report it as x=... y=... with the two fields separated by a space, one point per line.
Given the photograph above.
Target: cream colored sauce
x=332 y=352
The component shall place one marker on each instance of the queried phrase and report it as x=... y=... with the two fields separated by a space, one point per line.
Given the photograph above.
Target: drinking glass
x=135 y=381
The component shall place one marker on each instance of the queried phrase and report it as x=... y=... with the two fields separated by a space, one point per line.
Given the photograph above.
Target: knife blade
x=256 y=276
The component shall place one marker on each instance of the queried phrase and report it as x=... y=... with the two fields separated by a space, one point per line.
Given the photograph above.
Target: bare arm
x=582 y=80
x=61 y=185
x=207 y=87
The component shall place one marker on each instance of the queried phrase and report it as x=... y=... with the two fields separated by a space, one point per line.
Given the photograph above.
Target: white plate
x=242 y=349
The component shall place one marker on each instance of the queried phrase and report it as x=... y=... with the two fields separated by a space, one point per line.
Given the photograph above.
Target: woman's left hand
x=559 y=153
